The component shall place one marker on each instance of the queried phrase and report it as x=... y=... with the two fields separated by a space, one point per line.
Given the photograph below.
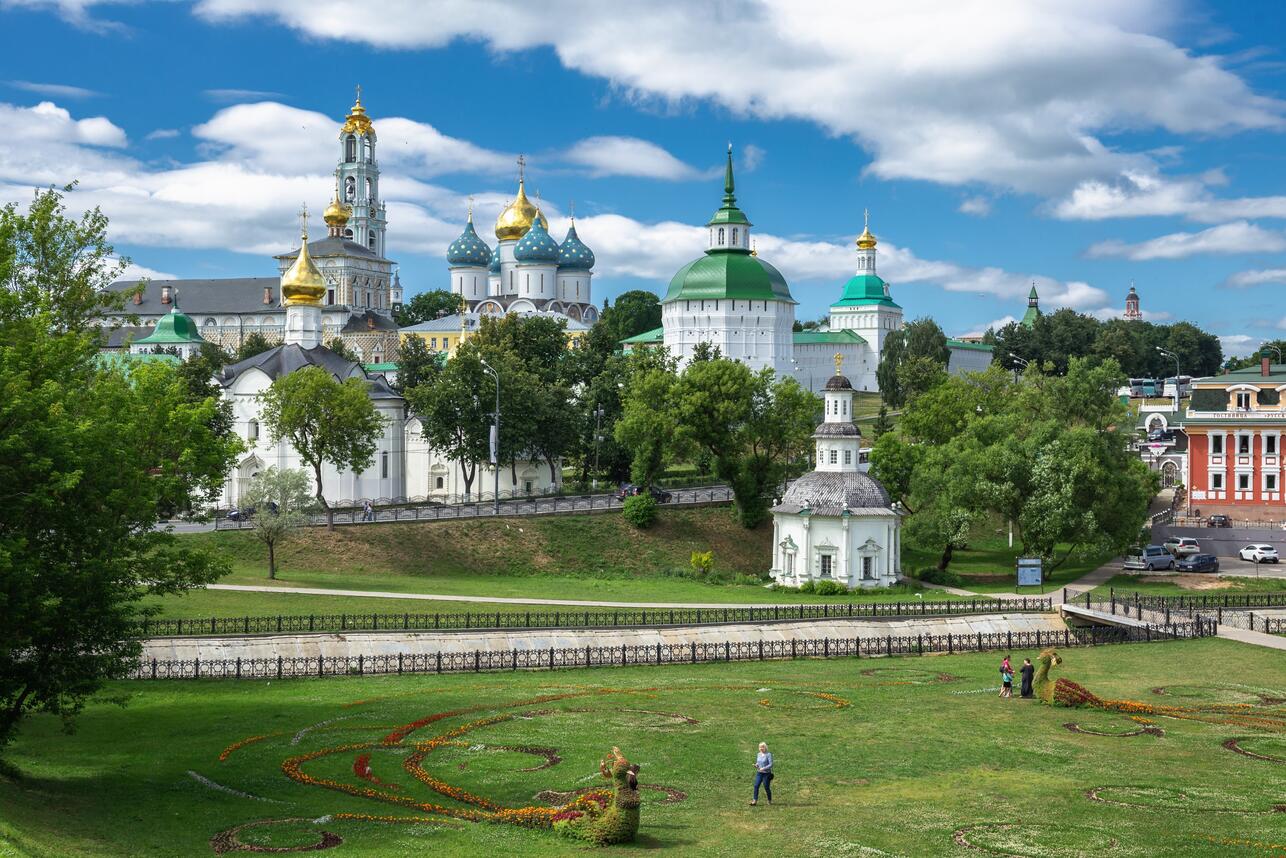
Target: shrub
x=808 y=587
x=829 y=588
x=640 y=511
x=702 y=563
x=945 y=577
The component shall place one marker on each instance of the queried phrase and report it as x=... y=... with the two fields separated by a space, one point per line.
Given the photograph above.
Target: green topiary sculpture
x=612 y=817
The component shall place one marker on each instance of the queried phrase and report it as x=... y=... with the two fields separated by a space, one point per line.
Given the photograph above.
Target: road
x=1225 y=542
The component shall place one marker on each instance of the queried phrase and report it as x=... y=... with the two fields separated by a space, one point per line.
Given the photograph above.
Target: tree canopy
x=913 y=360
x=282 y=499
x=426 y=306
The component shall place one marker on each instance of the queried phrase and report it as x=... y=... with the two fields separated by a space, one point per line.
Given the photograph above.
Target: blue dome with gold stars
x=494 y=267
x=468 y=249
x=537 y=245
x=574 y=253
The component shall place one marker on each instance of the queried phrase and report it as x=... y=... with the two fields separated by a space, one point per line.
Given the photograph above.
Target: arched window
x=252 y=430
x=438 y=483
x=350 y=189
x=369 y=194
x=721 y=236
x=734 y=236
x=350 y=148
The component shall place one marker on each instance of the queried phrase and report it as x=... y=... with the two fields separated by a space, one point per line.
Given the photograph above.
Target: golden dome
x=866 y=240
x=337 y=213
x=303 y=284
x=357 y=119
x=518 y=217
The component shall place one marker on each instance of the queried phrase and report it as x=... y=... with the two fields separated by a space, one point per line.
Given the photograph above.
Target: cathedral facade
x=362 y=286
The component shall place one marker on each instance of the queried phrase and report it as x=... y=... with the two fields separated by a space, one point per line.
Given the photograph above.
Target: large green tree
x=92 y=455
x=647 y=426
x=426 y=306
x=750 y=424
x=416 y=365
x=455 y=412
x=912 y=361
x=326 y=421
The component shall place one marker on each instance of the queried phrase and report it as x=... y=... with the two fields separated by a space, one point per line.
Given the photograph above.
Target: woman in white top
x=763 y=773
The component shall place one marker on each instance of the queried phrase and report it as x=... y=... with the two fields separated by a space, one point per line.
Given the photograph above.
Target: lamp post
x=1022 y=362
x=495 y=438
x=1278 y=349
x=598 y=436
x=1176 y=375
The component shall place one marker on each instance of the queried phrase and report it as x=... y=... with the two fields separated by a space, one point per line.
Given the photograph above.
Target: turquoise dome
x=574 y=253
x=537 y=245
x=494 y=267
x=468 y=249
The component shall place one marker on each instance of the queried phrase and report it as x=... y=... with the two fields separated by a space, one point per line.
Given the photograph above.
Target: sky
x=994 y=142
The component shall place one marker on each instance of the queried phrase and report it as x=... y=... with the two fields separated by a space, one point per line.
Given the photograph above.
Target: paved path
x=1088 y=582
x=1256 y=638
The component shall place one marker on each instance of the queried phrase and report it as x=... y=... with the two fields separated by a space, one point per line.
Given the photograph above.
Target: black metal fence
x=581 y=619
x=655 y=654
x=395 y=510
x=1236 y=611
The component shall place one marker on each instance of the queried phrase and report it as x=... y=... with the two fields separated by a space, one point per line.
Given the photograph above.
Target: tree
x=918 y=375
x=749 y=424
x=925 y=339
x=281 y=500
x=456 y=412
x=883 y=424
x=416 y=365
x=325 y=420
x=92 y=455
x=635 y=312
x=647 y=428
x=886 y=372
x=705 y=351
x=339 y=347
x=253 y=344
x=426 y=306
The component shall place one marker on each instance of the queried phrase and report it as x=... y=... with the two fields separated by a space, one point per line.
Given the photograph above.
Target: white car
x=1259 y=553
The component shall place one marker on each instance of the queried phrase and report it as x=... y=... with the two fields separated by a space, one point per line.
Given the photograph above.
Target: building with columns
x=361 y=285
x=836 y=523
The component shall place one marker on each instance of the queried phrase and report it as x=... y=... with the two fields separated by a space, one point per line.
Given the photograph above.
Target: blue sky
x=993 y=142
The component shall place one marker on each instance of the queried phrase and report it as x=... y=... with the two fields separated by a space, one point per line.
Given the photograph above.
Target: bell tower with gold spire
x=357 y=180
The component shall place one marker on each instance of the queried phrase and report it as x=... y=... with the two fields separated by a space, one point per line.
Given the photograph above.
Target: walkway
x=1099 y=576
x=1255 y=638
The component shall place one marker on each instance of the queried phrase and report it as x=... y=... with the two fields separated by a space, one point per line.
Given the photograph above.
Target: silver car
x=1148 y=558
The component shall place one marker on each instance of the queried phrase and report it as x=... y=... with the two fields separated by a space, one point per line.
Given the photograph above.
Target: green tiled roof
x=655 y=335
x=125 y=359
x=845 y=337
x=174 y=328
x=733 y=274
x=1249 y=375
x=386 y=366
x=865 y=290
x=975 y=347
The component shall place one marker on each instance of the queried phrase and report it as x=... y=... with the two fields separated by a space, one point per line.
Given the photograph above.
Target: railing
x=1235 y=611
x=654 y=654
x=582 y=619
x=435 y=510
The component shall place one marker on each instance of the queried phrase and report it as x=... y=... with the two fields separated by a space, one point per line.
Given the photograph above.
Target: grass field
x=878 y=757
x=1195 y=584
x=594 y=557
x=988 y=565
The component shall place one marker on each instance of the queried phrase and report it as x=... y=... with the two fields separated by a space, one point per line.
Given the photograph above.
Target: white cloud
x=138 y=272
x=1236 y=237
x=49 y=123
x=629 y=156
x=1282 y=324
x=54 y=90
x=1246 y=279
x=230 y=95
x=1021 y=103
x=74 y=12
x=993 y=325
x=163 y=134
x=1239 y=345
x=1143 y=193
x=980 y=206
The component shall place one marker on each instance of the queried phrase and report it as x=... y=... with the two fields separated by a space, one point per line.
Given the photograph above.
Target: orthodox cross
x=866 y=219
x=470 y=208
x=303 y=220
x=522 y=166
x=359 y=93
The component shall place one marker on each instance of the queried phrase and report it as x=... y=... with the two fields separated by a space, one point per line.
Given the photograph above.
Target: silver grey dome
x=830 y=493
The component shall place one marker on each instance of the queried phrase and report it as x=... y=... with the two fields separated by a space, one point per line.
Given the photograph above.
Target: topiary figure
x=1041 y=683
x=609 y=817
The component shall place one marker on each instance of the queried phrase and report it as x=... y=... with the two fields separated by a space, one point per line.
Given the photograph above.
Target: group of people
x=1027 y=671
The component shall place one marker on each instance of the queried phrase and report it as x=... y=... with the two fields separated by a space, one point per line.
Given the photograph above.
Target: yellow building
x=447 y=333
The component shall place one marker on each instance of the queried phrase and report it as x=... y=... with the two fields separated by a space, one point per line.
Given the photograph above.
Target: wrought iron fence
x=1236 y=611
x=581 y=619
x=626 y=655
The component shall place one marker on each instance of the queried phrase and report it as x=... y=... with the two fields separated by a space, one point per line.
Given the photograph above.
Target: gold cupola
x=303 y=284
x=866 y=240
x=518 y=217
x=336 y=216
x=357 y=120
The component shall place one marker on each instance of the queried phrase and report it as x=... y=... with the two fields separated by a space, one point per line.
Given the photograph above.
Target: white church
x=836 y=523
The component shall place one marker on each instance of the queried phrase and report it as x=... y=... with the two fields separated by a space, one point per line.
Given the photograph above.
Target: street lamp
x=1176 y=375
x=1022 y=362
x=495 y=437
x=1277 y=349
x=598 y=436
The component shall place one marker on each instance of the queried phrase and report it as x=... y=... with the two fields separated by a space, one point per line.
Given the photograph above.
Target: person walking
x=763 y=773
x=1027 y=671
x=1006 y=678
x=368 y=513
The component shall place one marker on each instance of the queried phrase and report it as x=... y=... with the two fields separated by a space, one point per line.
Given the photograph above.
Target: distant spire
x=729 y=187
x=303 y=221
x=470 y=208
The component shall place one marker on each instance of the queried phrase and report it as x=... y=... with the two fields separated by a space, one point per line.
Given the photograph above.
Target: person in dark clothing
x=1027 y=672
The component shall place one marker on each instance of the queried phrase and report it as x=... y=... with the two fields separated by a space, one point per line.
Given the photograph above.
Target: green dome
x=864 y=289
x=174 y=327
x=728 y=274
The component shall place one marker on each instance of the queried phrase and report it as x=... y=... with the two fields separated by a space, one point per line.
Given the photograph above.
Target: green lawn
x=587 y=557
x=902 y=761
x=988 y=565
x=1206 y=585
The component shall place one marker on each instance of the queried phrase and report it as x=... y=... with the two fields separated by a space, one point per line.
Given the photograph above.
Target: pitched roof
x=206 y=296
x=334 y=246
x=973 y=347
x=841 y=337
x=655 y=335
x=283 y=360
x=368 y=320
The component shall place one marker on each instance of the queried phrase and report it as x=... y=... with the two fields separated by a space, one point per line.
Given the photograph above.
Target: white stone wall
x=430 y=474
x=873 y=323
x=815 y=363
x=470 y=282
x=800 y=542
x=968 y=360
x=757 y=333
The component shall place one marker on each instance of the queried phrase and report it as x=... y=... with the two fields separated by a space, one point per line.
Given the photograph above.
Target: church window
x=542 y=283
x=511 y=281
x=734 y=236
x=868 y=567
x=721 y=236
x=848 y=457
x=845 y=409
x=252 y=430
x=439 y=483
x=827 y=562
x=350 y=148
x=790 y=563
x=370 y=240
x=369 y=192
x=350 y=189
x=834 y=457
x=383 y=460
x=348 y=233
x=330 y=296
x=1270 y=445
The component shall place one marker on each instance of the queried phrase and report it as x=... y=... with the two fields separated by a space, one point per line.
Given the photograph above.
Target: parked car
x=1198 y=563
x=1218 y=521
x=1259 y=553
x=1148 y=558
x=659 y=494
x=1182 y=546
x=241 y=514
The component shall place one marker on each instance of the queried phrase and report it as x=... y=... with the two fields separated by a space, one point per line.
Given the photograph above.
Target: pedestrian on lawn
x=1006 y=679
x=1027 y=672
x=763 y=773
x=368 y=513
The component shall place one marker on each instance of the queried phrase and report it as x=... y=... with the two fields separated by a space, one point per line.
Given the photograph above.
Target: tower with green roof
x=865 y=306
x=730 y=297
x=175 y=330
x=1033 y=308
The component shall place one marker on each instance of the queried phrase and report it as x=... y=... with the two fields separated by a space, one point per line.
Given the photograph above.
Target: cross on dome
x=303 y=220
x=839 y=363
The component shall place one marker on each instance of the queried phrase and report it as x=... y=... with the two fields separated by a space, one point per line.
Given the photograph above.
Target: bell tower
x=357 y=179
